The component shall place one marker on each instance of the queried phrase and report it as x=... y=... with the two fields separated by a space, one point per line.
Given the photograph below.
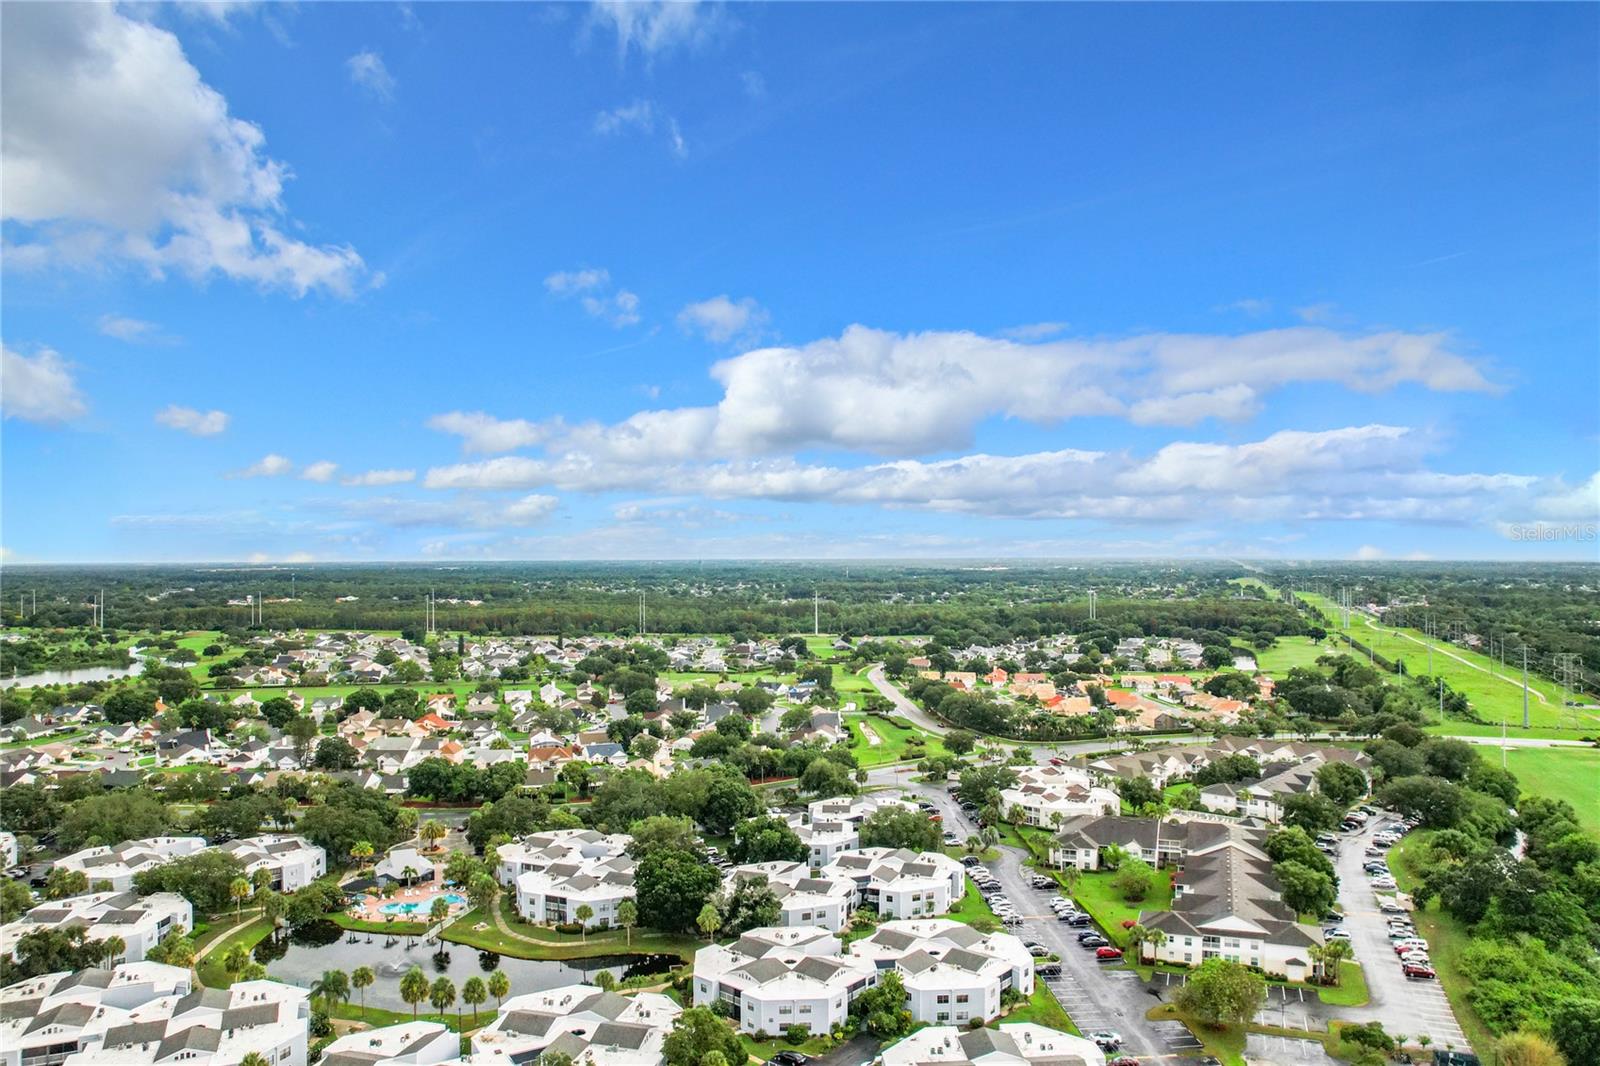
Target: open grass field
x=1106 y=906
x=1495 y=692
x=1571 y=774
x=1290 y=652
x=894 y=737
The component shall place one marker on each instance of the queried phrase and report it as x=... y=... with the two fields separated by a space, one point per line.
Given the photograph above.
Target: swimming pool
x=414 y=907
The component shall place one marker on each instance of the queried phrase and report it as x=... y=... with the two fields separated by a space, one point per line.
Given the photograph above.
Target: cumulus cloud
x=1580 y=502
x=38 y=388
x=722 y=320
x=570 y=282
x=1358 y=472
x=366 y=69
x=193 y=189
x=1231 y=403
x=467 y=511
x=320 y=471
x=269 y=465
x=592 y=287
x=620 y=308
x=191 y=421
x=1369 y=552
x=380 y=477
x=482 y=432
x=1033 y=331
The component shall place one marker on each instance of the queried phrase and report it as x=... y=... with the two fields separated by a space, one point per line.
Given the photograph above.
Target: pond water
x=301 y=957
x=73 y=677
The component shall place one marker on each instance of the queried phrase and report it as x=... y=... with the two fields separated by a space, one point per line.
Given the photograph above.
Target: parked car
x=789 y=1058
x=1049 y=969
x=1087 y=934
x=1391 y=907
x=1078 y=920
x=1418 y=971
x=1123 y=1060
x=1108 y=1039
x=1095 y=941
x=1107 y=954
x=1335 y=933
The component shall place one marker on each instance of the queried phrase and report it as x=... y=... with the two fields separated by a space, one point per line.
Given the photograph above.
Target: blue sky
x=358 y=281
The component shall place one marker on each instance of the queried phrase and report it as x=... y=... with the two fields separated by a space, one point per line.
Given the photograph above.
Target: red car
x=1107 y=954
x=1123 y=1060
x=1416 y=969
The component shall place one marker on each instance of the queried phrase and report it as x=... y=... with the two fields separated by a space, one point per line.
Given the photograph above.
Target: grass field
x=1106 y=906
x=1494 y=692
x=1290 y=652
x=1571 y=774
x=894 y=736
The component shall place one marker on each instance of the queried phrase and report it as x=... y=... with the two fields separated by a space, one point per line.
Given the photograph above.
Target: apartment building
x=557 y=872
x=580 y=1021
x=141 y=922
x=775 y=977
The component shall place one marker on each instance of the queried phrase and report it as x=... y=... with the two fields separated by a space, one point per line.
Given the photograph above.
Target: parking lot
x=1402 y=1004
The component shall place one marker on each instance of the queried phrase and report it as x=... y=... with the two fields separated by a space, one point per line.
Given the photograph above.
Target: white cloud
x=366 y=69
x=1359 y=472
x=570 y=282
x=481 y=432
x=680 y=147
x=591 y=286
x=1251 y=306
x=40 y=388
x=463 y=512
x=1322 y=312
x=892 y=394
x=192 y=189
x=269 y=465
x=132 y=330
x=1230 y=403
x=621 y=308
x=1581 y=502
x=320 y=471
x=655 y=26
x=381 y=477
x=1369 y=552
x=721 y=319
x=191 y=421
x=639 y=115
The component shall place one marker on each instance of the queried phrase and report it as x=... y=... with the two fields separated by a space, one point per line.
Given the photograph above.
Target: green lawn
x=895 y=737
x=765 y=1049
x=1043 y=1009
x=1571 y=774
x=1290 y=652
x=395 y=928
x=1106 y=906
x=1352 y=988
x=554 y=945
x=973 y=907
x=1494 y=692
x=210 y=972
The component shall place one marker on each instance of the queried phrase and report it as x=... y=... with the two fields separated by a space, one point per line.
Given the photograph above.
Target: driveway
x=1096 y=997
x=1400 y=1003
x=857 y=1051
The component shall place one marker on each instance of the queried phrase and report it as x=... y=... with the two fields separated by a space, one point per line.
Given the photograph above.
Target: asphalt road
x=1095 y=996
x=1403 y=1005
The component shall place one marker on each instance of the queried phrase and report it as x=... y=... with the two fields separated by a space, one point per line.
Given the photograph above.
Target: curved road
x=892 y=693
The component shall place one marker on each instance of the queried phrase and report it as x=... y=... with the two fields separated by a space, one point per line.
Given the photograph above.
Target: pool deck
x=370 y=908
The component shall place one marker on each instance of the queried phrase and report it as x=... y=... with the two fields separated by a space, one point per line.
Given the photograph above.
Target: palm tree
x=1334 y=952
x=410 y=874
x=432 y=831
x=239 y=891
x=584 y=913
x=709 y=921
x=499 y=986
x=261 y=879
x=362 y=851
x=628 y=917
x=273 y=908
x=473 y=993
x=254 y=1058
x=440 y=909
x=361 y=979
x=235 y=959
x=482 y=890
x=460 y=868
x=414 y=988
x=442 y=995
x=605 y=980
x=333 y=987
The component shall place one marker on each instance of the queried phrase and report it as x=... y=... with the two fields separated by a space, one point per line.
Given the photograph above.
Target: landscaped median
x=394 y=928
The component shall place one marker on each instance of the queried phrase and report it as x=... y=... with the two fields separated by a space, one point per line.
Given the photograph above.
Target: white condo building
x=804 y=899
x=45 y=1019
x=141 y=922
x=207 y=1027
x=580 y=1021
x=557 y=872
x=775 y=977
x=953 y=974
x=900 y=883
x=118 y=865
x=406 y=1044
x=825 y=839
x=293 y=861
x=1047 y=795
x=1018 y=1044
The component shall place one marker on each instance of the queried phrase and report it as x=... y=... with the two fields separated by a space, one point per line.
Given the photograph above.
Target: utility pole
x=1092 y=599
x=816 y=614
x=1524 y=686
x=1441 y=701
